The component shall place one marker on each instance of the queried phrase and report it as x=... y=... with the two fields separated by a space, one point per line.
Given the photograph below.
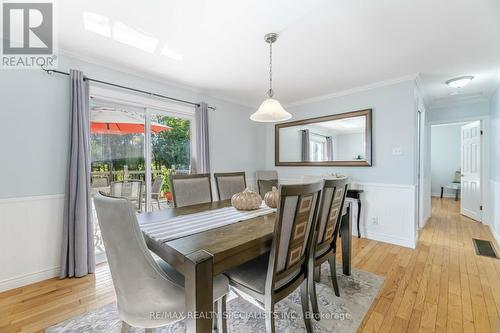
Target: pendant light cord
x=270 y=92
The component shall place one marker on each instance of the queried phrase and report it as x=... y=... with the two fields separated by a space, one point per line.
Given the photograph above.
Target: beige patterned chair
x=327 y=230
x=229 y=183
x=191 y=189
x=275 y=275
x=266 y=180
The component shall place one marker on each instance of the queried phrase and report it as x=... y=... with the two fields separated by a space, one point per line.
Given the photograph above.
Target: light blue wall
x=495 y=136
x=464 y=111
x=394 y=125
x=445 y=156
x=34 y=121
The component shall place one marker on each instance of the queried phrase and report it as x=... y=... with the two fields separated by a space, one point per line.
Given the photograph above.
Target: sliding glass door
x=134 y=149
x=170 y=150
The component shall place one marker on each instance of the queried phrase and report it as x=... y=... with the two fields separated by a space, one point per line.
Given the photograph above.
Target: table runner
x=186 y=225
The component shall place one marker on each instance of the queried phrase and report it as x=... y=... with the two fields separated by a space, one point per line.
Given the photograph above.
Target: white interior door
x=470 y=204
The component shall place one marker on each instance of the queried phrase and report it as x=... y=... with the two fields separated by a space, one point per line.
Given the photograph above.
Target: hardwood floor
x=441 y=286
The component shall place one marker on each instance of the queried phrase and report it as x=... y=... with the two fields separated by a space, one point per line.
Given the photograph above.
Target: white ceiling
x=325 y=46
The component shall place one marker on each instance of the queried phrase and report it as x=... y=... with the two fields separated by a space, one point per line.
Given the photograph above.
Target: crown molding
x=149 y=77
x=371 y=86
x=457 y=102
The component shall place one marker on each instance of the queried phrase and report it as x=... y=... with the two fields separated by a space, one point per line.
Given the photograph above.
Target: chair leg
x=215 y=320
x=317 y=273
x=333 y=273
x=125 y=327
x=158 y=201
x=312 y=294
x=269 y=308
x=222 y=315
x=305 y=306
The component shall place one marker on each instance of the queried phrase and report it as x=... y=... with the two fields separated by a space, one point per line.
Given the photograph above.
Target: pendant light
x=270 y=110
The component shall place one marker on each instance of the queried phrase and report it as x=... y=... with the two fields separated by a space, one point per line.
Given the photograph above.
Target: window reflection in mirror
x=336 y=138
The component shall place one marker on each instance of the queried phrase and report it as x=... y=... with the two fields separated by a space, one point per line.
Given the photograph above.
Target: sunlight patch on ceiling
x=127 y=35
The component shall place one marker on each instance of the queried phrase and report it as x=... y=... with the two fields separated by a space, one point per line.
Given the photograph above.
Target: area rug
x=339 y=314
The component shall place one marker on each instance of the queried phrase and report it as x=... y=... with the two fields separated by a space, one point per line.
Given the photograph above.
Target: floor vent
x=484 y=248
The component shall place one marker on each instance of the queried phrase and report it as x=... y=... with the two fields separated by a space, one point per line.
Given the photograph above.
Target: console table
x=356 y=194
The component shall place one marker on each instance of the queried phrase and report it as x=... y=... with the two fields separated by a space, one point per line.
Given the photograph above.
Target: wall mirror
x=338 y=140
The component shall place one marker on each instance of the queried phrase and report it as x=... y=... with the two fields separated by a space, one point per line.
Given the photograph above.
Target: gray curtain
x=305 y=154
x=202 y=162
x=329 y=149
x=78 y=237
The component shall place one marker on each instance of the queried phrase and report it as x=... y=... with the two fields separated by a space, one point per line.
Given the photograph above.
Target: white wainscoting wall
x=392 y=205
x=30 y=239
x=494 y=210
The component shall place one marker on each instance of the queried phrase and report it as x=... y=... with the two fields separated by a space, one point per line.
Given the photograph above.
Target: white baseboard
x=391 y=239
x=445 y=195
x=496 y=236
x=23 y=280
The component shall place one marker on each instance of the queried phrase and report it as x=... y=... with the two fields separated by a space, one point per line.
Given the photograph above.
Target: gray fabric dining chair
x=191 y=189
x=142 y=285
x=229 y=183
x=325 y=238
x=273 y=276
x=156 y=190
x=266 y=180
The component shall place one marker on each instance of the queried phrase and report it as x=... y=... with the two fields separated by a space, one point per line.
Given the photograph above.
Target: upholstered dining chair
x=142 y=285
x=266 y=180
x=229 y=183
x=191 y=189
x=273 y=276
x=325 y=238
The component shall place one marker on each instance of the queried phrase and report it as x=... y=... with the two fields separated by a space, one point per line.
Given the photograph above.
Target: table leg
x=456 y=195
x=199 y=292
x=345 y=227
x=442 y=189
x=359 y=216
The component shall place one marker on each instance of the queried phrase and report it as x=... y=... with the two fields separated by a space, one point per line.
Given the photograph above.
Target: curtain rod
x=51 y=71
x=317 y=134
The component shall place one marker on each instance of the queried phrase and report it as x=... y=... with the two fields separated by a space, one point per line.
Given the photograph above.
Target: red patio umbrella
x=119 y=122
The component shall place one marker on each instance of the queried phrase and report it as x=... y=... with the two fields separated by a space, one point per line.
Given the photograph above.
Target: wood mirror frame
x=368 y=140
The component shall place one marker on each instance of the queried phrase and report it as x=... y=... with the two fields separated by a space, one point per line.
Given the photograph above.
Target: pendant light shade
x=270 y=110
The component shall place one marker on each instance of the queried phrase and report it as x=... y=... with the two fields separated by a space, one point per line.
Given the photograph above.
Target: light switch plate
x=396 y=151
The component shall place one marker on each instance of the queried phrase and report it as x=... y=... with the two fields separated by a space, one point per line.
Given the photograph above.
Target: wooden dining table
x=201 y=256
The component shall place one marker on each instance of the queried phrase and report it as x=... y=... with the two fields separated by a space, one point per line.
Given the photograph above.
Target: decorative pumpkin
x=271 y=197
x=246 y=200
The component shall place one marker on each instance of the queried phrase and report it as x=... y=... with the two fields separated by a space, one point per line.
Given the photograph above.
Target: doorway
x=456 y=165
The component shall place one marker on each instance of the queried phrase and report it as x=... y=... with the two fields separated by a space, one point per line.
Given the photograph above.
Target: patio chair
x=156 y=190
x=131 y=190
